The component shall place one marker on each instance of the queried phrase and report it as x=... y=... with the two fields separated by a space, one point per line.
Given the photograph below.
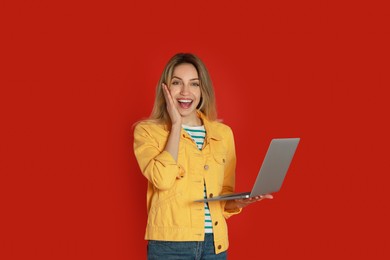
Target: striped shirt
x=198 y=134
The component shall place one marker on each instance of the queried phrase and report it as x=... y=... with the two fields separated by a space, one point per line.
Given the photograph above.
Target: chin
x=187 y=112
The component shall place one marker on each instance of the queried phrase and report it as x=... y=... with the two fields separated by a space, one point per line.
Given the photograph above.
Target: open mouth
x=185 y=103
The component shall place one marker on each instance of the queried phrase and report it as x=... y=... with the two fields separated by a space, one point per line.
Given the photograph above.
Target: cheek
x=173 y=90
x=198 y=94
x=198 y=98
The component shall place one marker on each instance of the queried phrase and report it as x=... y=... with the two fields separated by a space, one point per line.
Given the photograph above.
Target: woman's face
x=185 y=91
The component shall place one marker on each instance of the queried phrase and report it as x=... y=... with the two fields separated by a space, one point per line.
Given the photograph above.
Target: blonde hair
x=207 y=103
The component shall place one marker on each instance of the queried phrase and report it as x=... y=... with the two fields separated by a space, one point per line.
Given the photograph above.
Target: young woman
x=187 y=155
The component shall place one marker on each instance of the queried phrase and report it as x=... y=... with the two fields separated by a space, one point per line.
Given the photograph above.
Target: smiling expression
x=185 y=91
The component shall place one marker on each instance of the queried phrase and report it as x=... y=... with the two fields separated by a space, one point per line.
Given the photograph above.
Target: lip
x=184 y=103
x=185 y=100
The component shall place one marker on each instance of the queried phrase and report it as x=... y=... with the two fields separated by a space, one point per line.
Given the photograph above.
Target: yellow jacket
x=174 y=186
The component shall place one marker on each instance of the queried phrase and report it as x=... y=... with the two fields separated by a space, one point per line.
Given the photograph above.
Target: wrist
x=175 y=131
x=176 y=127
x=231 y=205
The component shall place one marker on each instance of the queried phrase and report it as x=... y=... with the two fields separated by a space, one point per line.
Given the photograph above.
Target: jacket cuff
x=228 y=213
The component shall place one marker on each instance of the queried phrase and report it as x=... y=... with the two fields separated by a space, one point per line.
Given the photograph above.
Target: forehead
x=185 y=70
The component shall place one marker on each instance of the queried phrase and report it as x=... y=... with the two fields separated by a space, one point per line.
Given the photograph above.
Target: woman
x=187 y=155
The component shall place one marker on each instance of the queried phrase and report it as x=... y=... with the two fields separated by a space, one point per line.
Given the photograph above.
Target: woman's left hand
x=241 y=203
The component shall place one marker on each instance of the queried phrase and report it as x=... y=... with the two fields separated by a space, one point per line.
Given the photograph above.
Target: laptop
x=272 y=172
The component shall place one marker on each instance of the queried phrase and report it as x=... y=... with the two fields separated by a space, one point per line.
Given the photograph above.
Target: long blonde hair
x=207 y=103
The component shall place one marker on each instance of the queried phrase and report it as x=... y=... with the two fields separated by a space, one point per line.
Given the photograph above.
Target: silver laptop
x=272 y=172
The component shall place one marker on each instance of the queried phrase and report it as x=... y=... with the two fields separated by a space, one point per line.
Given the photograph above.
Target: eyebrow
x=182 y=79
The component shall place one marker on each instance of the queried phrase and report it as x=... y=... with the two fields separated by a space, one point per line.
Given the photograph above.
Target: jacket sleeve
x=157 y=165
x=230 y=173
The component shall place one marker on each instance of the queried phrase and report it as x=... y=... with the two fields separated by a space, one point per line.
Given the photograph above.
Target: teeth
x=184 y=101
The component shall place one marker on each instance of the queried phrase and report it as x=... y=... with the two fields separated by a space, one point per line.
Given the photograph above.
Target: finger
x=165 y=90
x=167 y=94
x=257 y=198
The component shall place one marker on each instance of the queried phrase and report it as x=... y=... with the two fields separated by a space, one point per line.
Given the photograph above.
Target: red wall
x=76 y=76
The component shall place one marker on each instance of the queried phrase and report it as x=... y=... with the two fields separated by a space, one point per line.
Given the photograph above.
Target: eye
x=195 y=84
x=176 y=82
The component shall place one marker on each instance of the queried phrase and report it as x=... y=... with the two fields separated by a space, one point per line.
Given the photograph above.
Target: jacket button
x=219 y=247
x=206 y=167
x=216 y=223
x=211 y=195
x=223 y=160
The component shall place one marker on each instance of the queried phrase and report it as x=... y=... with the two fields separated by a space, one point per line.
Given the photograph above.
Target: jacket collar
x=211 y=131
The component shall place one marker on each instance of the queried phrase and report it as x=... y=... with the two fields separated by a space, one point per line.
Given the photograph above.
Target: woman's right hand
x=171 y=108
x=241 y=203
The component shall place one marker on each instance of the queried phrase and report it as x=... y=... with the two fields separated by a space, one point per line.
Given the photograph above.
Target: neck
x=194 y=121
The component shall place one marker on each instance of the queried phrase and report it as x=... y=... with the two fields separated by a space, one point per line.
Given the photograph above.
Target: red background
x=76 y=75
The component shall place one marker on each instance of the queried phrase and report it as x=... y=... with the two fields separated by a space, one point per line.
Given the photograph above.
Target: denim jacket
x=174 y=186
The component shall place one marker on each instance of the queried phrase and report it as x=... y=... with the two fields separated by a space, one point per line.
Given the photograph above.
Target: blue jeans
x=167 y=250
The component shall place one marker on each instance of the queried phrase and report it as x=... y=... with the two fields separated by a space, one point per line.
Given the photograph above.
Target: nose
x=184 y=89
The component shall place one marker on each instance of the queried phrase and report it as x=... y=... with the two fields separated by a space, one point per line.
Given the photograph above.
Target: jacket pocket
x=220 y=159
x=171 y=212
